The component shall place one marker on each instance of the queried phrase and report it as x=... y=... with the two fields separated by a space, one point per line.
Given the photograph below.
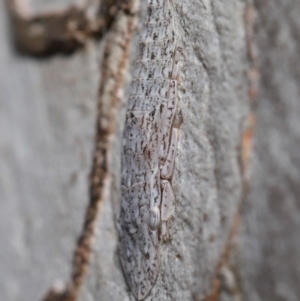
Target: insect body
x=149 y=149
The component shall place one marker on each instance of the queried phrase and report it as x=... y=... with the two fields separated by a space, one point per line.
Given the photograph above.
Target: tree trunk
x=234 y=233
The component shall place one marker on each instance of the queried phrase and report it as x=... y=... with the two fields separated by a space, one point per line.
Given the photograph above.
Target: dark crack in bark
x=59 y=31
x=113 y=69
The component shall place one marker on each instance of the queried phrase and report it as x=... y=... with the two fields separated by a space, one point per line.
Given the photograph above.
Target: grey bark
x=268 y=251
x=47 y=132
x=217 y=252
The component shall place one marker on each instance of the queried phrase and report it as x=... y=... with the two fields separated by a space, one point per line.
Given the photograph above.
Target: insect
x=149 y=148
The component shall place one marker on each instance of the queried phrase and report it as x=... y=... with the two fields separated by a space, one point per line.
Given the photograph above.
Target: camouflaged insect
x=149 y=148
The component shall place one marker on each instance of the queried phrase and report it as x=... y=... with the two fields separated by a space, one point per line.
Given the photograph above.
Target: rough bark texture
x=269 y=242
x=48 y=125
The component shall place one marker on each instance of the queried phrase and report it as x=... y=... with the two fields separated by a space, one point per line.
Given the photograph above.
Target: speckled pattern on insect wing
x=146 y=143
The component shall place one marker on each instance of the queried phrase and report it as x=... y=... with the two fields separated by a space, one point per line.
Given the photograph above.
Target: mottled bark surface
x=269 y=241
x=48 y=125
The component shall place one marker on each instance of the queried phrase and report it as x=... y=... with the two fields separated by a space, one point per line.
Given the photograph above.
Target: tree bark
x=234 y=235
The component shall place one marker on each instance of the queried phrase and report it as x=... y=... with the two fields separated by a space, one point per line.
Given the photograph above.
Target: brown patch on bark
x=114 y=67
x=232 y=235
x=58 y=31
x=253 y=89
x=215 y=292
x=246 y=146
